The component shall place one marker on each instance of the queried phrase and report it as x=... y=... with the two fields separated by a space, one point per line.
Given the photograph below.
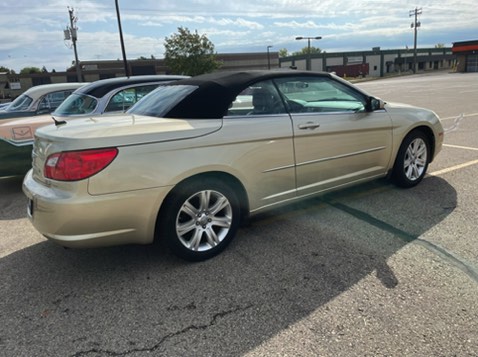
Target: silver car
x=195 y=157
x=109 y=95
x=103 y=97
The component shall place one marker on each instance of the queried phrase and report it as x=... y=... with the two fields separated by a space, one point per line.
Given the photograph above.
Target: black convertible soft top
x=215 y=91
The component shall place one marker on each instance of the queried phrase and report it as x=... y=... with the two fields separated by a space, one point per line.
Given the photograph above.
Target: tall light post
x=268 y=57
x=308 y=64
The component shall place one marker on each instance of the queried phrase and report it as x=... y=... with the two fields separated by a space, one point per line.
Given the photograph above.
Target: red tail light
x=78 y=165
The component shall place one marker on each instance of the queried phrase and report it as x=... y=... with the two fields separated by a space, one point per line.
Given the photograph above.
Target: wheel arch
x=430 y=136
x=231 y=180
x=428 y=132
x=397 y=172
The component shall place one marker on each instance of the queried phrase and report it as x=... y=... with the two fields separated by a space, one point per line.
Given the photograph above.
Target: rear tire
x=199 y=219
x=412 y=160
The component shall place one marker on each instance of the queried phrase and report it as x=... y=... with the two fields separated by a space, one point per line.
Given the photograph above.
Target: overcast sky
x=31 y=31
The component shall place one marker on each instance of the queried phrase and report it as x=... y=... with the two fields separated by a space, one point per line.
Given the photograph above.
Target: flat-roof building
x=466 y=53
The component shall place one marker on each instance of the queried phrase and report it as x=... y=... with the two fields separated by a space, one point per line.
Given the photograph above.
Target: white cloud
x=31 y=31
x=298 y=25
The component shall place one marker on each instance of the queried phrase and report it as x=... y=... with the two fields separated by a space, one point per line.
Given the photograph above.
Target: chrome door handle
x=309 y=125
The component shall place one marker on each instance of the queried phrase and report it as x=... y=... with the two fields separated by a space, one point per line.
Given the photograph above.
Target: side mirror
x=375 y=104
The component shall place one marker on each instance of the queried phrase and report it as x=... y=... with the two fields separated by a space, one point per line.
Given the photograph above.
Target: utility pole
x=71 y=33
x=415 y=25
x=123 y=51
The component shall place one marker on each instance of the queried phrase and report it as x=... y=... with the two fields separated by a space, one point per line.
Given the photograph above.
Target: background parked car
x=4 y=105
x=42 y=99
x=194 y=157
x=101 y=97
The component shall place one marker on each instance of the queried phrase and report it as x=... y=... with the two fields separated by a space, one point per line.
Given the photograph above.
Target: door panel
x=339 y=148
x=258 y=125
x=336 y=139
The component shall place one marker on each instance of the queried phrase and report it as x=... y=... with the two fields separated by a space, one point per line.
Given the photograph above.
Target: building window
x=106 y=75
x=41 y=80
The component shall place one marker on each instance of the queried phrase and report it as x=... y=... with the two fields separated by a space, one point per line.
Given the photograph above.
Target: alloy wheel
x=415 y=159
x=204 y=220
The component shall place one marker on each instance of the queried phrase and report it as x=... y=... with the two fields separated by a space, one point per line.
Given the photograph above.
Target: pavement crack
x=153 y=348
x=407 y=237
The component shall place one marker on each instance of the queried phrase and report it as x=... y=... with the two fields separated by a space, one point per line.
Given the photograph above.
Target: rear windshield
x=77 y=104
x=160 y=101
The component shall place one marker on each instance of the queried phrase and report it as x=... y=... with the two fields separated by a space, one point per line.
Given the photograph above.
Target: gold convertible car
x=195 y=157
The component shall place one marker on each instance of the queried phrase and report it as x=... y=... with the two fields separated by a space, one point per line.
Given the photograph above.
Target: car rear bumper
x=79 y=220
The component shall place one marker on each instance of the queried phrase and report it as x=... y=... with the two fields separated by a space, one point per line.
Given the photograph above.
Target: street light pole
x=308 y=64
x=268 y=57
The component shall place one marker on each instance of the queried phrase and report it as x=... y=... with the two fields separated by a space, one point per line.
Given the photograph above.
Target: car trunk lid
x=114 y=131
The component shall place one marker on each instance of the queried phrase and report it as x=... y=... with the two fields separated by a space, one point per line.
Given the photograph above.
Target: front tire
x=412 y=160
x=199 y=219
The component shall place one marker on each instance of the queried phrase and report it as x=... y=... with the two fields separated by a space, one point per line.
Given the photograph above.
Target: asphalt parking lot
x=369 y=271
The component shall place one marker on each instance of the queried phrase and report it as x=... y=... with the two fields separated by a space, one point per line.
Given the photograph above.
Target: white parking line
x=456 y=167
x=464 y=115
x=460 y=147
x=453 y=168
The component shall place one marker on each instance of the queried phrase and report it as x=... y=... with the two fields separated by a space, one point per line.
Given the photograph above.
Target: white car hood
x=119 y=130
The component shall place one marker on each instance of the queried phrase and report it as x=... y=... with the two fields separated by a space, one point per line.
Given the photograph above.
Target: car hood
x=120 y=130
x=411 y=112
x=393 y=106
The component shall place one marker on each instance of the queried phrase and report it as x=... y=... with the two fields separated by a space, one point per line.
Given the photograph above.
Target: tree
x=305 y=51
x=4 y=69
x=440 y=45
x=146 y=58
x=283 y=52
x=28 y=70
x=189 y=53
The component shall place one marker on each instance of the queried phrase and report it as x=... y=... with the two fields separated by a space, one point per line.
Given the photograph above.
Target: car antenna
x=58 y=122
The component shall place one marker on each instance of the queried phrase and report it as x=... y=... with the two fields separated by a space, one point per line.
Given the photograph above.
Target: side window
x=51 y=101
x=258 y=99
x=124 y=99
x=315 y=95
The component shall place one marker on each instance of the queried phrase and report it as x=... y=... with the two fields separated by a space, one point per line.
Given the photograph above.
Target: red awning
x=465 y=48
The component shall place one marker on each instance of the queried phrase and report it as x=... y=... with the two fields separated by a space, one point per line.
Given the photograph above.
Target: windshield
x=22 y=103
x=160 y=101
x=76 y=104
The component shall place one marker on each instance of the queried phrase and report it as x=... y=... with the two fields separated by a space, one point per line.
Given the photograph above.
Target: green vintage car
x=15 y=157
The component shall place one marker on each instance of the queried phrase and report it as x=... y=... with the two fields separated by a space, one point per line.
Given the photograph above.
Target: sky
x=31 y=31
